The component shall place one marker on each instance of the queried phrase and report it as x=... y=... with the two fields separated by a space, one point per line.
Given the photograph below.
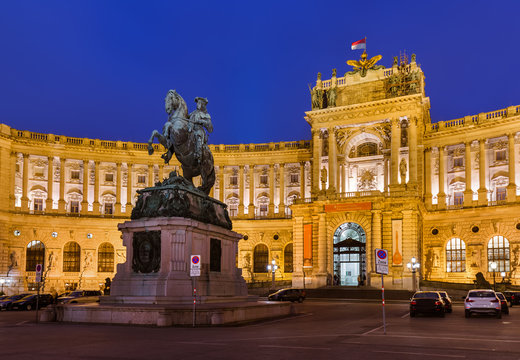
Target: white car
x=80 y=296
x=482 y=301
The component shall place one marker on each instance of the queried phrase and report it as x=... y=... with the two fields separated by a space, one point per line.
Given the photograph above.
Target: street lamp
x=2 y=281
x=493 y=266
x=503 y=274
x=413 y=265
x=272 y=268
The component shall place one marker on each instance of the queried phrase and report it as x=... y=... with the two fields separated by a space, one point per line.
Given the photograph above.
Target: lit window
x=71 y=257
x=38 y=204
x=455 y=255
x=498 y=252
x=458 y=198
x=500 y=155
x=294 y=178
x=109 y=177
x=263 y=209
x=501 y=193
x=35 y=254
x=74 y=207
x=74 y=174
x=458 y=162
x=109 y=209
x=141 y=179
x=263 y=179
x=233 y=180
x=106 y=258
x=260 y=258
x=233 y=210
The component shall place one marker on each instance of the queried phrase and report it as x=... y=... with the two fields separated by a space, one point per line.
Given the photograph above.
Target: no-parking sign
x=195 y=265
x=39 y=272
x=382 y=261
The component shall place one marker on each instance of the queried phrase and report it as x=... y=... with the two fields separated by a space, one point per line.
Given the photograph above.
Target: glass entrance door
x=349 y=255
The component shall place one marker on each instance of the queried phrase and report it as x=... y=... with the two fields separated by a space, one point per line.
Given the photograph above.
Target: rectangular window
x=109 y=209
x=294 y=178
x=109 y=177
x=141 y=179
x=458 y=198
x=501 y=193
x=74 y=174
x=74 y=207
x=263 y=179
x=263 y=209
x=38 y=204
x=215 y=255
x=458 y=162
x=500 y=155
x=233 y=210
x=233 y=180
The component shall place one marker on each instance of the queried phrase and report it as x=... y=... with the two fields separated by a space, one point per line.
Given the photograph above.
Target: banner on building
x=307 y=245
x=397 y=242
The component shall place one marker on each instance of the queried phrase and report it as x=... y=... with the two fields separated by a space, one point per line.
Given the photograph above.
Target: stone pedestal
x=157 y=270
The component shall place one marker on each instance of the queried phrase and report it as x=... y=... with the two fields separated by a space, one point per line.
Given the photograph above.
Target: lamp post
x=272 y=268
x=2 y=281
x=503 y=274
x=413 y=265
x=493 y=266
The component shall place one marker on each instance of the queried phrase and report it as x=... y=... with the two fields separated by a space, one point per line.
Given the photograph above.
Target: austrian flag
x=360 y=44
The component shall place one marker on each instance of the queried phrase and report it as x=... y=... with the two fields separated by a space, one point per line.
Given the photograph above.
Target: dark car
x=513 y=297
x=503 y=303
x=7 y=302
x=29 y=302
x=288 y=295
x=447 y=301
x=427 y=302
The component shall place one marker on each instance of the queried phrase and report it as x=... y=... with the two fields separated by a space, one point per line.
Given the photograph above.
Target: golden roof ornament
x=363 y=65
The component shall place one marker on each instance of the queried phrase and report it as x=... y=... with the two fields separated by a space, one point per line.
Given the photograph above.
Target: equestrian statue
x=185 y=136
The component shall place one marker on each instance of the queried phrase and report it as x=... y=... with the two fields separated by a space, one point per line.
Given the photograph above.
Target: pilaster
x=241 y=195
x=482 y=191
x=61 y=201
x=251 y=206
x=468 y=192
x=511 y=187
x=118 y=189
x=271 y=190
x=441 y=197
x=95 y=203
x=281 y=205
x=428 y=178
x=25 y=182
x=84 y=201
x=50 y=184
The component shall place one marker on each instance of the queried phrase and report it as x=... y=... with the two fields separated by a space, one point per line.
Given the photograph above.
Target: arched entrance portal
x=349 y=255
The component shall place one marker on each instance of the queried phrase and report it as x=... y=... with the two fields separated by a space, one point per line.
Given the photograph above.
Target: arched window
x=498 y=252
x=455 y=255
x=288 y=258
x=35 y=254
x=71 y=257
x=260 y=258
x=106 y=258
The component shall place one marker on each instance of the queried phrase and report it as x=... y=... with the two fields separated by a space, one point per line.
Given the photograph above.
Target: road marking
x=22 y=322
x=447 y=338
x=279 y=320
x=200 y=343
x=405 y=315
x=416 y=353
x=293 y=347
x=369 y=331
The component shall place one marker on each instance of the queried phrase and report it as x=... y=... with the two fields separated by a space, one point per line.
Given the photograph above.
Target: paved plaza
x=323 y=330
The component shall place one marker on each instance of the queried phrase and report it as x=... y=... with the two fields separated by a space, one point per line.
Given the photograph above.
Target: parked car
x=503 y=303
x=447 y=301
x=427 y=302
x=80 y=296
x=482 y=301
x=29 y=302
x=6 y=303
x=513 y=297
x=288 y=295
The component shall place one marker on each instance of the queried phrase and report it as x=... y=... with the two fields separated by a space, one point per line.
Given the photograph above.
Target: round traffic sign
x=39 y=268
x=195 y=260
x=381 y=254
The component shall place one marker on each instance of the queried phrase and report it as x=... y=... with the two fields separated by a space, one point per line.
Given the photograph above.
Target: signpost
x=194 y=272
x=382 y=268
x=39 y=269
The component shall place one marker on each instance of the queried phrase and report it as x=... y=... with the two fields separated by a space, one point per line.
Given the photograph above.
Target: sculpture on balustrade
x=185 y=137
x=317 y=94
x=331 y=97
x=363 y=65
x=402 y=169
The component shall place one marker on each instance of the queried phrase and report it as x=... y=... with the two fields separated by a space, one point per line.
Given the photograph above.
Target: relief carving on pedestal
x=147 y=251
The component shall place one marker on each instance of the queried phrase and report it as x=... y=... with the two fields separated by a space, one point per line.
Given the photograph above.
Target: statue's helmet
x=201 y=99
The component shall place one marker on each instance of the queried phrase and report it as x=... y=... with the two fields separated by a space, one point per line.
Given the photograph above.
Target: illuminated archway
x=349 y=255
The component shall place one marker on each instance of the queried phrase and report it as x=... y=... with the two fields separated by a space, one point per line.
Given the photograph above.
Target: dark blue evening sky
x=101 y=69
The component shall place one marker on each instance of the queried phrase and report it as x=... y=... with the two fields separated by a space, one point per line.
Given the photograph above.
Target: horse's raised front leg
x=155 y=133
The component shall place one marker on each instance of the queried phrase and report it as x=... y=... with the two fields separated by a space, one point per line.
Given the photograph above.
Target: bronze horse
x=179 y=138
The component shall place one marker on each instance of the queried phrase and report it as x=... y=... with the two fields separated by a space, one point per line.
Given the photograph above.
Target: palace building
x=374 y=173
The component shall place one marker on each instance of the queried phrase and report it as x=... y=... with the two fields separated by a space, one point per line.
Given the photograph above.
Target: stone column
x=377 y=240
x=395 y=147
x=341 y=178
x=298 y=251
x=428 y=178
x=118 y=189
x=511 y=188
x=241 y=195
x=271 y=190
x=281 y=204
x=441 y=197
x=482 y=191
x=150 y=175
x=161 y=173
x=386 y=164
x=95 y=203
x=316 y=153
x=332 y=160
x=25 y=183
x=468 y=193
x=251 y=206
x=50 y=183
x=12 y=198
x=302 y=179
x=129 y=192
x=412 y=143
x=61 y=201
x=322 y=243
x=84 y=201
x=221 y=185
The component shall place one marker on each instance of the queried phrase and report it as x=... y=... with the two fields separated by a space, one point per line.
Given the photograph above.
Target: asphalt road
x=323 y=330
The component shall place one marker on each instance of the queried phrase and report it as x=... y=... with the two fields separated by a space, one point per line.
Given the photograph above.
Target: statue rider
x=200 y=119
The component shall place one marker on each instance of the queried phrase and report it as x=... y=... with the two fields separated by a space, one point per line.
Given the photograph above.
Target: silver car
x=80 y=296
x=482 y=301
